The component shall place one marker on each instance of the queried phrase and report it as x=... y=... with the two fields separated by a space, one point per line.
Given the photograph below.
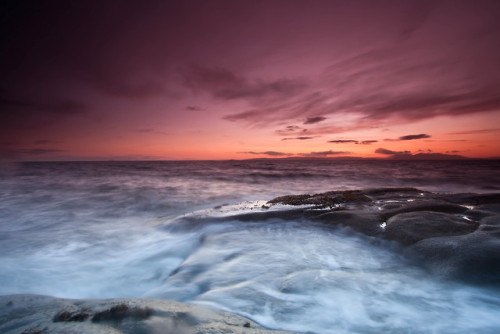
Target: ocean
x=147 y=229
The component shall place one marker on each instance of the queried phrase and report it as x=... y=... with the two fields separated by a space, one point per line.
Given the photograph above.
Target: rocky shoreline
x=453 y=235
x=35 y=314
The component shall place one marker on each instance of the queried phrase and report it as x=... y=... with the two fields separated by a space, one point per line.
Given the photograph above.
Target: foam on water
x=99 y=230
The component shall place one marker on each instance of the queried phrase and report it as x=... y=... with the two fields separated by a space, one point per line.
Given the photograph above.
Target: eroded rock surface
x=453 y=235
x=408 y=228
x=34 y=314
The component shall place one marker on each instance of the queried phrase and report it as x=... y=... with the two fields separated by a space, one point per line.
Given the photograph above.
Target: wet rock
x=477 y=215
x=392 y=193
x=329 y=199
x=424 y=206
x=364 y=223
x=474 y=257
x=493 y=208
x=67 y=316
x=408 y=228
x=34 y=314
x=122 y=311
x=473 y=199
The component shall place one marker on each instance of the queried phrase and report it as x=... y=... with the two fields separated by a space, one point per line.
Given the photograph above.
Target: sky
x=173 y=80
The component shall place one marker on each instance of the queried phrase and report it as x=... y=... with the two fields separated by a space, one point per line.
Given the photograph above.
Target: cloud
x=298 y=138
x=471 y=132
x=313 y=120
x=409 y=137
x=324 y=153
x=20 y=153
x=194 y=108
x=343 y=141
x=291 y=130
x=270 y=153
x=46 y=105
x=47 y=142
x=225 y=84
x=413 y=137
x=389 y=152
x=359 y=142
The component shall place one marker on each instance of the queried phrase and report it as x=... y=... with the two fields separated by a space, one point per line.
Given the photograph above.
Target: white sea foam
x=97 y=230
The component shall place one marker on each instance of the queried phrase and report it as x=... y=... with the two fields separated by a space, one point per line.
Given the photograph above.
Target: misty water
x=123 y=229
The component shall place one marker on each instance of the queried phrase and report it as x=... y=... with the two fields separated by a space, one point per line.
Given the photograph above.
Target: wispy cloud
x=226 y=84
x=413 y=137
x=343 y=141
x=270 y=153
x=47 y=142
x=313 y=120
x=359 y=142
x=298 y=138
x=473 y=132
x=324 y=153
x=194 y=108
x=390 y=152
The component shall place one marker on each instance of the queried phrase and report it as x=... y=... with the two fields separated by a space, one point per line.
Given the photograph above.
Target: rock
x=473 y=199
x=329 y=199
x=424 y=206
x=386 y=193
x=42 y=315
x=474 y=257
x=408 y=228
x=364 y=223
x=493 y=208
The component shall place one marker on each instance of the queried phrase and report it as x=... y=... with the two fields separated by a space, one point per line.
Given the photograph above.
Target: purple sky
x=228 y=79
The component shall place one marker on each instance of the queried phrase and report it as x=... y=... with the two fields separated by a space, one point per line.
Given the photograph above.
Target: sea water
x=120 y=229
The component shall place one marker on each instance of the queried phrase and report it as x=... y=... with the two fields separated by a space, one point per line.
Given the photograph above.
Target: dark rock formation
x=34 y=314
x=423 y=206
x=408 y=228
x=453 y=235
x=474 y=257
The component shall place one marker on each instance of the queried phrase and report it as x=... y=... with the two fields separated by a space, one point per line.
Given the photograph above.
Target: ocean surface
x=120 y=229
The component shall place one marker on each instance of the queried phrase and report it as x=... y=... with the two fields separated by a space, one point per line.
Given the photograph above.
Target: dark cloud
x=47 y=142
x=291 y=130
x=343 y=141
x=412 y=137
x=152 y=131
x=323 y=153
x=360 y=142
x=313 y=120
x=473 y=132
x=246 y=115
x=194 y=108
x=20 y=153
x=270 y=153
x=389 y=152
x=33 y=116
x=226 y=84
x=31 y=106
x=298 y=138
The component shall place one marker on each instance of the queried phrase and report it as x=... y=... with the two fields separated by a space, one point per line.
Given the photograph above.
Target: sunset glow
x=175 y=80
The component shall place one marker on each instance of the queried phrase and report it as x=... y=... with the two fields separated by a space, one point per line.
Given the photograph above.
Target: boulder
x=34 y=314
x=424 y=206
x=474 y=257
x=409 y=228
